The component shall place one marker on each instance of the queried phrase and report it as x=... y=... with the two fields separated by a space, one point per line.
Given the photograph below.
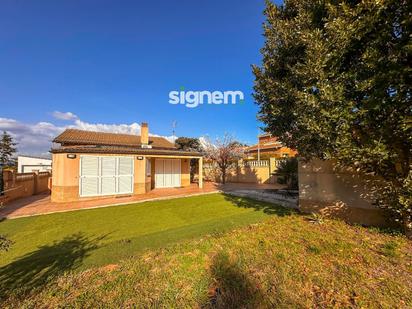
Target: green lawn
x=227 y=253
x=48 y=245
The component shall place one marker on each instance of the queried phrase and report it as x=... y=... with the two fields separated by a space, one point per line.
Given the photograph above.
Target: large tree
x=336 y=81
x=7 y=148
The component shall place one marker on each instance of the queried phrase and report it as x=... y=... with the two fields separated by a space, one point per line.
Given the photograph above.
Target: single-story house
x=90 y=164
x=28 y=164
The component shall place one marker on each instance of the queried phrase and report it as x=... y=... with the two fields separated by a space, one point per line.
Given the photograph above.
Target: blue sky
x=114 y=62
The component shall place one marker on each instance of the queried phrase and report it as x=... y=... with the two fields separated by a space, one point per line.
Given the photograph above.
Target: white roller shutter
x=89 y=176
x=167 y=173
x=106 y=175
x=125 y=175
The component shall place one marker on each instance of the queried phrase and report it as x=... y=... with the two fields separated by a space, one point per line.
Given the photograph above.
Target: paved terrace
x=41 y=204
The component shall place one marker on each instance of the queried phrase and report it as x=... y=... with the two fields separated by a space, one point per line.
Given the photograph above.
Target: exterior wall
x=66 y=174
x=30 y=164
x=248 y=174
x=23 y=184
x=261 y=172
x=185 y=172
x=345 y=194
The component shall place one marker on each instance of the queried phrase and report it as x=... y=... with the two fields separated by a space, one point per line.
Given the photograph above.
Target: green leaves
x=335 y=81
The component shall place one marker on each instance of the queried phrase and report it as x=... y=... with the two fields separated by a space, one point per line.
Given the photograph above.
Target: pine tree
x=7 y=148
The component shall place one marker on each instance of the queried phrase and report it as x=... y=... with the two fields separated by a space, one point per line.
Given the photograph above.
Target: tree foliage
x=335 y=82
x=224 y=152
x=7 y=148
x=188 y=144
x=288 y=172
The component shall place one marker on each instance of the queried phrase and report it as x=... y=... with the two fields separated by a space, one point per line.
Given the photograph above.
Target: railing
x=278 y=162
x=256 y=163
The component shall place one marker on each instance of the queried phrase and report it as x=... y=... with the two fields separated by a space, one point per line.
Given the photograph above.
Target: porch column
x=200 y=173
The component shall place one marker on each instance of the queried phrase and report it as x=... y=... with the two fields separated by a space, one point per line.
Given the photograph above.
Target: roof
x=269 y=144
x=82 y=137
x=124 y=150
x=34 y=157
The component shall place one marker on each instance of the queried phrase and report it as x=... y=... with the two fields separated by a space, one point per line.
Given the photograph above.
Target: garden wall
x=342 y=193
x=262 y=172
x=17 y=185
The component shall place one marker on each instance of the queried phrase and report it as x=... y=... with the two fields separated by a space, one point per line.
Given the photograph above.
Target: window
x=106 y=175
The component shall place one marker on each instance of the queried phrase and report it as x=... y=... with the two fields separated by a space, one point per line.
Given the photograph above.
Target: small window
x=285 y=155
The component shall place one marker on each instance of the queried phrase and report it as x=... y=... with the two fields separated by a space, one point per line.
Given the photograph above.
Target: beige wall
x=65 y=182
x=66 y=173
x=245 y=174
x=340 y=193
x=185 y=171
x=23 y=184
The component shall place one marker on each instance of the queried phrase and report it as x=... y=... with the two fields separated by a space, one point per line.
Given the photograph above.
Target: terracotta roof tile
x=123 y=150
x=82 y=137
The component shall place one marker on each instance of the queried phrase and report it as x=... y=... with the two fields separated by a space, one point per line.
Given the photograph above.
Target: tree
x=224 y=152
x=336 y=83
x=188 y=144
x=288 y=170
x=7 y=148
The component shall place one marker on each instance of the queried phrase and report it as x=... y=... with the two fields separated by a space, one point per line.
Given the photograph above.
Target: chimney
x=144 y=134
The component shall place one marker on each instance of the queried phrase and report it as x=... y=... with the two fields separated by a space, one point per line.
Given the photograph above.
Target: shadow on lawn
x=35 y=268
x=231 y=287
x=267 y=208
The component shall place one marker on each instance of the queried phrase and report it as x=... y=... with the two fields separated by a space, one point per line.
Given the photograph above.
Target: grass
x=48 y=245
x=283 y=261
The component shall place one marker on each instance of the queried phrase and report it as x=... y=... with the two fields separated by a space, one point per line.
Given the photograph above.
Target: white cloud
x=36 y=139
x=64 y=116
x=31 y=138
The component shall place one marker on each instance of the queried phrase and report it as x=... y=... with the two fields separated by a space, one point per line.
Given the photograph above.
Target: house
x=90 y=164
x=269 y=146
x=28 y=164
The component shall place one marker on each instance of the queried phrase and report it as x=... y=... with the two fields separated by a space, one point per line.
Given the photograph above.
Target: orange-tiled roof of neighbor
x=82 y=137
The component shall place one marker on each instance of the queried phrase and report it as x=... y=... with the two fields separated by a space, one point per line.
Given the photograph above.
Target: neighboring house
x=28 y=164
x=92 y=164
x=269 y=146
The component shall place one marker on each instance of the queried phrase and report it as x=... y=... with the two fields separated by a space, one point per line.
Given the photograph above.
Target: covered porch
x=168 y=172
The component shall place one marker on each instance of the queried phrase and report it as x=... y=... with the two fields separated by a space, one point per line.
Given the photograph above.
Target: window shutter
x=90 y=166
x=106 y=175
x=108 y=166
x=125 y=166
x=125 y=172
